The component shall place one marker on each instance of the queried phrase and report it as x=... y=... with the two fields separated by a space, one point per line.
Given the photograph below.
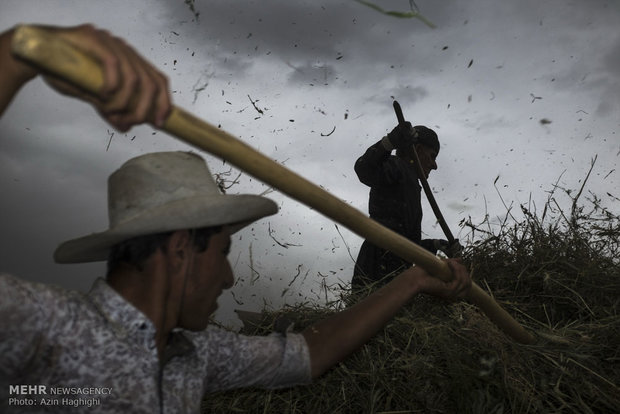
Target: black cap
x=427 y=136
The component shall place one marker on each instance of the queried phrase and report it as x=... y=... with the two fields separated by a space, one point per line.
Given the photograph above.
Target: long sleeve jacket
x=394 y=191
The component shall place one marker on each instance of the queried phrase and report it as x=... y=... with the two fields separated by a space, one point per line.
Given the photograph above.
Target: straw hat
x=162 y=192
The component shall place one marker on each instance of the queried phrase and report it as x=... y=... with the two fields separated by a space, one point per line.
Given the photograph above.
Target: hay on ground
x=558 y=274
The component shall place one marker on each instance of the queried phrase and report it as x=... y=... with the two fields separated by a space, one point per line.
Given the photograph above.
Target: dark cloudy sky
x=523 y=94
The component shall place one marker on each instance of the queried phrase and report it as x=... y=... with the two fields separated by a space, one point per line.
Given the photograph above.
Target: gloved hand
x=450 y=250
x=402 y=136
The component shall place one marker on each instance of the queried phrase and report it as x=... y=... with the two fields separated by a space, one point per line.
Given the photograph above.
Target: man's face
x=209 y=276
x=427 y=156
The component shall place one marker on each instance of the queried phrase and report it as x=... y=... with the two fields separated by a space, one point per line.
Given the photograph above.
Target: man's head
x=193 y=263
x=427 y=137
x=427 y=156
x=169 y=237
x=427 y=148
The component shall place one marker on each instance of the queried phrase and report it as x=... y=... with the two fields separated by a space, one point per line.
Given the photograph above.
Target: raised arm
x=375 y=167
x=333 y=339
x=134 y=91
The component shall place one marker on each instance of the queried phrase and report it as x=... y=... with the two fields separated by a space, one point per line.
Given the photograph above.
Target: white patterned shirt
x=64 y=351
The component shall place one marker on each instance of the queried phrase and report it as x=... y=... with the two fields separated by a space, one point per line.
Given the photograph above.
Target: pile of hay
x=557 y=274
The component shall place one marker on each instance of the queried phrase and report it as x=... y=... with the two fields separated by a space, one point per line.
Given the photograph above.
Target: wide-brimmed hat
x=161 y=192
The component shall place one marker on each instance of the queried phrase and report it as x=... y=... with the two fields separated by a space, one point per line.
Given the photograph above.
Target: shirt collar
x=124 y=318
x=130 y=323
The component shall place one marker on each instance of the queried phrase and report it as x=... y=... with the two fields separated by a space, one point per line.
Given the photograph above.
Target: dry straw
x=558 y=272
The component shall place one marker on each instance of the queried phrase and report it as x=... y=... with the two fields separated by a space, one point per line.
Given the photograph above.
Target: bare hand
x=458 y=287
x=134 y=91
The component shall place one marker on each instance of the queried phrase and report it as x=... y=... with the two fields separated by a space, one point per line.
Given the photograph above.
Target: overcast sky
x=522 y=94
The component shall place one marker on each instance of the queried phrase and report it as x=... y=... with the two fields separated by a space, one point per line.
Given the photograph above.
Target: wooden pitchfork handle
x=424 y=182
x=47 y=51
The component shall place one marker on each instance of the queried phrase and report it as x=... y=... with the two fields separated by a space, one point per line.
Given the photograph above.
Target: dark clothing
x=395 y=203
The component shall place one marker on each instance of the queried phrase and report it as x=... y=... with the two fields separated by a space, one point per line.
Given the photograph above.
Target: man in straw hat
x=395 y=200
x=140 y=340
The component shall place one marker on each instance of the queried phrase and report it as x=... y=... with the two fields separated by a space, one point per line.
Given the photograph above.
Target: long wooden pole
x=56 y=56
x=422 y=178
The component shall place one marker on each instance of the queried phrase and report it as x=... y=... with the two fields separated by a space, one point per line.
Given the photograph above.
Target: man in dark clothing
x=395 y=198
